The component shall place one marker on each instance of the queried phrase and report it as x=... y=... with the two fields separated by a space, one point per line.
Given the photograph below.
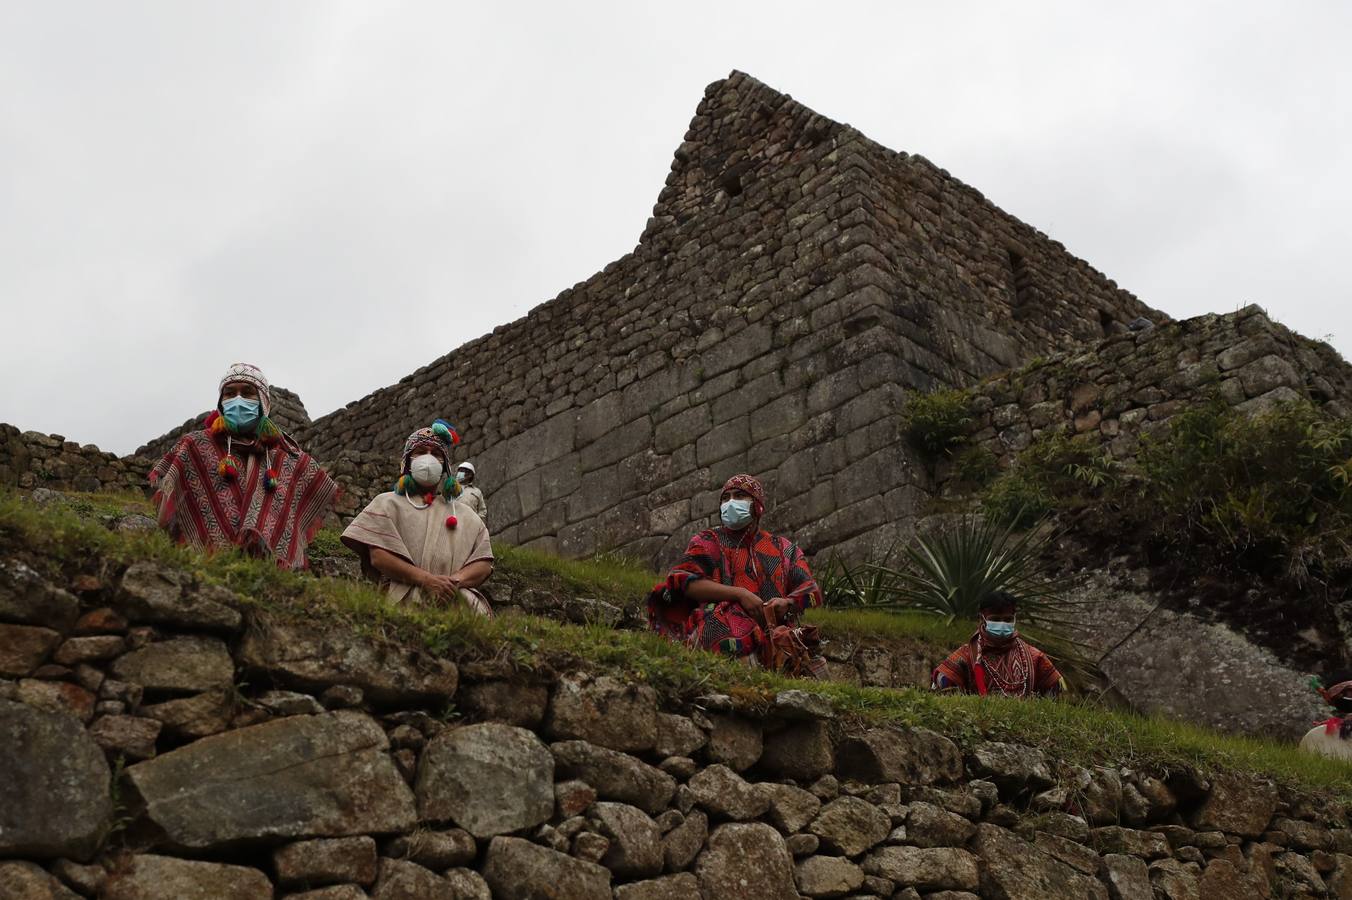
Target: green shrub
x=976 y=466
x=1056 y=471
x=937 y=422
x=1271 y=492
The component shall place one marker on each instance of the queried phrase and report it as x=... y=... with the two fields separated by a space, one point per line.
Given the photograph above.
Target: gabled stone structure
x=795 y=280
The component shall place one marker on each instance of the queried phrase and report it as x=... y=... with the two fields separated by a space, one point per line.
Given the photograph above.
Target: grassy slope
x=69 y=538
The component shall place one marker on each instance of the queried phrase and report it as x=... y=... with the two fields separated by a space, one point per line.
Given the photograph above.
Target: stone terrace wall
x=271 y=759
x=287 y=411
x=1131 y=384
x=31 y=460
x=768 y=322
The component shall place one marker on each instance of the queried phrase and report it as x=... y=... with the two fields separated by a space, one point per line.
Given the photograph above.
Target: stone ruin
x=795 y=282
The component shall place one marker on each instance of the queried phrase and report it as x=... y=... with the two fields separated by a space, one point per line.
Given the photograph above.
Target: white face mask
x=426 y=470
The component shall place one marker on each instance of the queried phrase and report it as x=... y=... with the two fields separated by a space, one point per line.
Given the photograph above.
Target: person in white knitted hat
x=241 y=482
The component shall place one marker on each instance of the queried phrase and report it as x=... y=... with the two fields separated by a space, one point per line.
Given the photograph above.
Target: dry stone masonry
x=161 y=741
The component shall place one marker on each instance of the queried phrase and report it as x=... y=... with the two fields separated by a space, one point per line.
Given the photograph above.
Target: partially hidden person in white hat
x=241 y=482
x=470 y=494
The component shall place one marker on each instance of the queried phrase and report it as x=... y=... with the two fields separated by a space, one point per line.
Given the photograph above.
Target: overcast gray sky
x=341 y=192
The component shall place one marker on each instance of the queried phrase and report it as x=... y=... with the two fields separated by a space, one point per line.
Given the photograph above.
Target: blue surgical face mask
x=241 y=413
x=735 y=513
x=1000 y=629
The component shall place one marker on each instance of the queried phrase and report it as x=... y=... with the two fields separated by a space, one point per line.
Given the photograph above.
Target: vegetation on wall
x=938 y=422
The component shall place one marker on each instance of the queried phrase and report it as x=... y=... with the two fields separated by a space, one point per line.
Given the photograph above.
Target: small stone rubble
x=309 y=775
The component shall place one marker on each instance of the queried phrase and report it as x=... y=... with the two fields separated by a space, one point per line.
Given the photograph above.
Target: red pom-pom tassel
x=452 y=521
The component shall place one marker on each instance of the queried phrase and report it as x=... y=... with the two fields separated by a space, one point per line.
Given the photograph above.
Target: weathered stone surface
x=1145 y=844
x=150 y=877
x=182 y=665
x=929 y=826
x=1128 y=878
x=1174 y=880
x=932 y=869
x=1012 y=767
x=573 y=798
x=603 y=710
x=802 y=844
x=524 y=871
x=333 y=892
x=326 y=861
x=403 y=880
x=684 y=842
x=850 y=826
x=97 y=648
x=489 y=779
x=85 y=879
x=312 y=659
x=25 y=647
x=798 y=704
x=747 y=861
x=503 y=701
x=614 y=775
x=26 y=598
x=1076 y=855
x=1224 y=880
x=682 y=886
x=1015 y=869
x=635 y=841
x=791 y=808
x=801 y=751
x=734 y=741
x=467 y=884
x=827 y=876
x=914 y=756
x=302 y=776
x=678 y=736
x=289 y=703
x=193 y=717
x=155 y=593
x=1237 y=805
x=54 y=793
x=434 y=849
x=59 y=697
x=130 y=736
x=725 y=794
x=26 y=881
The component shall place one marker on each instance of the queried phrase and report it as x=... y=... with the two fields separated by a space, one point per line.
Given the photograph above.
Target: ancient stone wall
x=31 y=460
x=1130 y=385
x=259 y=758
x=795 y=280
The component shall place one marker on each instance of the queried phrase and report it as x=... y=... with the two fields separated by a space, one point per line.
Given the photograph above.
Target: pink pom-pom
x=452 y=521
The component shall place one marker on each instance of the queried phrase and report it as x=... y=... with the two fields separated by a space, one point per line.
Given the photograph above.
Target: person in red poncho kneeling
x=997 y=660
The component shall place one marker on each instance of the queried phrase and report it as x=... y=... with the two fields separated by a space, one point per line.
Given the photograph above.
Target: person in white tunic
x=420 y=541
x=1333 y=737
x=471 y=494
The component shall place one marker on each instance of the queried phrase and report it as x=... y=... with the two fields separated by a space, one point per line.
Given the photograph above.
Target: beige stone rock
x=433 y=849
x=26 y=881
x=850 y=826
x=678 y=736
x=25 y=647
x=603 y=710
x=827 y=876
x=614 y=775
x=791 y=808
x=179 y=665
x=745 y=860
x=681 y=845
x=488 y=778
x=150 y=877
x=467 y=884
x=524 y=871
x=403 y=880
x=801 y=750
x=326 y=861
x=635 y=841
x=130 y=736
x=1018 y=870
x=725 y=794
x=1237 y=805
x=734 y=742
x=913 y=756
x=682 y=886
x=928 y=869
x=298 y=777
x=503 y=701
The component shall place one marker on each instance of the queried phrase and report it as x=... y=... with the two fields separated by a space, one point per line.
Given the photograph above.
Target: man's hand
x=750 y=602
x=441 y=587
x=780 y=608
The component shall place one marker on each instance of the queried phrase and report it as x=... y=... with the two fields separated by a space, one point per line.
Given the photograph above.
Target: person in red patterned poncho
x=733 y=578
x=241 y=482
x=997 y=660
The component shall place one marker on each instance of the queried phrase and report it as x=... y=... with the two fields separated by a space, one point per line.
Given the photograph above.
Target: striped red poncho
x=199 y=507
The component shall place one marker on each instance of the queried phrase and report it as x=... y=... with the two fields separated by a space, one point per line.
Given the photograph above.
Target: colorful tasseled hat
x=249 y=374
x=751 y=484
x=440 y=437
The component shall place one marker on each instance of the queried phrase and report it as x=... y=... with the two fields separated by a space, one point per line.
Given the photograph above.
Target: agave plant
x=866 y=584
x=951 y=572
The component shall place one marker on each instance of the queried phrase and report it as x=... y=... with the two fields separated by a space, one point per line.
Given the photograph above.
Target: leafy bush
x=1054 y=472
x=976 y=466
x=937 y=422
x=1271 y=493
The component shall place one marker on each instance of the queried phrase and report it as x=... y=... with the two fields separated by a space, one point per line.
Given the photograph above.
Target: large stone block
x=155 y=593
x=1014 y=868
x=748 y=861
x=184 y=665
x=26 y=598
x=27 y=881
x=800 y=750
x=1238 y=806
x=54 y=793
x=311 y=658
x=150 y=877
x=524 y=871
x=914 y=756
x=614 y=775
x=298 y=777
x=489 y=779
x=603 y=710
x=25 y=647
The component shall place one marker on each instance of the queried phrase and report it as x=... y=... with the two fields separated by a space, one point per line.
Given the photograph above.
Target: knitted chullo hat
x=751 y=484
x=439 y=438
x=249 y=374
